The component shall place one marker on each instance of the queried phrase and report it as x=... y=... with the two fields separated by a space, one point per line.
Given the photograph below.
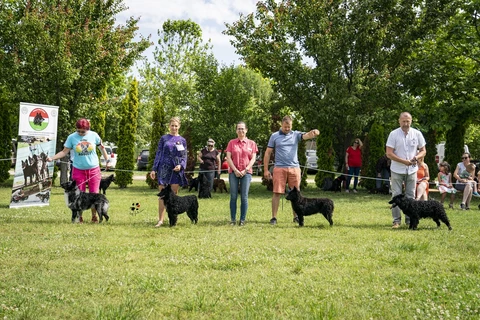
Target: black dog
x=306 y=206
x=220 y=185
x=43 y=196
x=105 y=183
x=417 y=210
x=78 y=201
x=177 y=205
x=337 y=183
x=193 y=184
x=204 y=191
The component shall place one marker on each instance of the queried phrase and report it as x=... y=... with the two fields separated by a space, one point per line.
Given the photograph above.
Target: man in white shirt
x=404 y=146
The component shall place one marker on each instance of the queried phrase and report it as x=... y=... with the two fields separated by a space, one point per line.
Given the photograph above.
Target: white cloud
x=210 y=15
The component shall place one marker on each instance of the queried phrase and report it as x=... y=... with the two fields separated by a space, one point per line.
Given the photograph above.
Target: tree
x=336 y=61
x=126 y=145
x=159 y=128
x=64 y=53
x=373 y=149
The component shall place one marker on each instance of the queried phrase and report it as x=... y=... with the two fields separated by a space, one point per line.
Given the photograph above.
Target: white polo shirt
x=405 y=147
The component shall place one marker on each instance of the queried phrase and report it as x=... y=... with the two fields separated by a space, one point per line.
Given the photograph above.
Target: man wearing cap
x=209 y=159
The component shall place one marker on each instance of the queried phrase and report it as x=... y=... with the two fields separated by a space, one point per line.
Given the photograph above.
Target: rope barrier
x=260 y=166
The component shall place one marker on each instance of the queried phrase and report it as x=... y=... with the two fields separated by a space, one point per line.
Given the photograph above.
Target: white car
x=111 y=155
x=312 y=160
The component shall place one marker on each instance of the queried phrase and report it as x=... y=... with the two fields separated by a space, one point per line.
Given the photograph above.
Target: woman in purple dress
x=170 y=162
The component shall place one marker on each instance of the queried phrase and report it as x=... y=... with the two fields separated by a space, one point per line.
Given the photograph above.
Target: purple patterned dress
x=171 y=151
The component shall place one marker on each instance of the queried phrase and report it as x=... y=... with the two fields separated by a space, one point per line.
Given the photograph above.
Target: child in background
x=471 y=172
x=445 y=183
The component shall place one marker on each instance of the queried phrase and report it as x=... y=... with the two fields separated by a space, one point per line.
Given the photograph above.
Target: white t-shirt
x=405 y=147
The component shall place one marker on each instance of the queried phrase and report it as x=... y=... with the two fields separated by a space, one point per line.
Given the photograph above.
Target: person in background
x=241 y=155
x=353 y=163
x=445 y=185
x=286 y=168
x=423 y=176
x=85 y=164
x=170 y=163
x=383 y=173
x=464 y=181
x=402 y=146
x=209 y=159
x=471 y=176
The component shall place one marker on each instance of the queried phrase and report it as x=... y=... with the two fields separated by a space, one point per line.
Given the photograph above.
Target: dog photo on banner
x=37 y=131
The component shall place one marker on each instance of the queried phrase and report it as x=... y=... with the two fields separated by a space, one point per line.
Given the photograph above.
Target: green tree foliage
x=236 y=94
x=326 y=156
x=159 y=128
x=64 y=53
x=337 y=61
x=126 y=145
x=372 y=150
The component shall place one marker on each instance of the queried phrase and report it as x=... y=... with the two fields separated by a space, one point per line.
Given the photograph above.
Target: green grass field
x=126 y=269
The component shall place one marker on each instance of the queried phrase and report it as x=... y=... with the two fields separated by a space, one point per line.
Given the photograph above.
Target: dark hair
x=83 y=124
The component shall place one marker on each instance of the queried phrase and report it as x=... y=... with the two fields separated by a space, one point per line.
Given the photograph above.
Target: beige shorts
x=283 y=175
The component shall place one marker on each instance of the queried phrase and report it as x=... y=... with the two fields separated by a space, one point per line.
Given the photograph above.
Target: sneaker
x=462 y=206
x=450 y=206
x=354 y=190
x=233 y=223
x=273 y=221
x=295 y=220
x=476 y=194
x=396 y=225
x=467 y=208
x=242 y=223
x=347 y=191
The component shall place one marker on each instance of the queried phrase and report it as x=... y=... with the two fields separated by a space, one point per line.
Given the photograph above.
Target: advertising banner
x=37 y=137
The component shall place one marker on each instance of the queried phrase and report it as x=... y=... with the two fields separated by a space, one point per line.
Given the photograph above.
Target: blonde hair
x=175 y=119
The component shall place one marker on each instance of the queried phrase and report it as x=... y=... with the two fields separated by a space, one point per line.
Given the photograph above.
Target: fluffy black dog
x=204 y=191
x=193 y=184
x=105 y=183
x=78 y=201
x=417 y=210
x=220 y=185
x=308 y=206
x=177 y=205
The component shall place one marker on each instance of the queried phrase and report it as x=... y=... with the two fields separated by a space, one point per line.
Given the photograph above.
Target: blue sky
x=211 y=15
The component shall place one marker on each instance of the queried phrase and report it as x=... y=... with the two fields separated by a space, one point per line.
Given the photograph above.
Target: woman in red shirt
x=353 y=163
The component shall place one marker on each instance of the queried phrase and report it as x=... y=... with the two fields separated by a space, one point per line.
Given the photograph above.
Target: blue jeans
x=353 y=171
x=398 y=180
x=244 y=187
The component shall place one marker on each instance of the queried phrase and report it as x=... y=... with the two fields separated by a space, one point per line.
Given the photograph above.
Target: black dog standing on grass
x=105 y=183
x=177 y=205
x=417 y=210
x=78 y=201
x=308 y=206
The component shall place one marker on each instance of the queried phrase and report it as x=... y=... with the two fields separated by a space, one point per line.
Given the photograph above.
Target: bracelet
x=108 y=161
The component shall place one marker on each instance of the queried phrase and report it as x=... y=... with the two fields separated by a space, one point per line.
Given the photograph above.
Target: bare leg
x=275 y=204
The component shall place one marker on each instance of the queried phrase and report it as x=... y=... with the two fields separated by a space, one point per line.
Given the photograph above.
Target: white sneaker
x=347 y=191
x=354 y=191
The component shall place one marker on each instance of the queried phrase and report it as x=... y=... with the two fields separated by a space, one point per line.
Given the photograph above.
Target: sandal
x=159 y=224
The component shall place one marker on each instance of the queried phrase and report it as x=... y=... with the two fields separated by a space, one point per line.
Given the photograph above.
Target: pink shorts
x=283 y=175
x=92 y=176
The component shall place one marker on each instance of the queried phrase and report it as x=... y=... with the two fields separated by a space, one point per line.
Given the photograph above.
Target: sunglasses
x=463 y=158
x=356 y=142
x=81 y=131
